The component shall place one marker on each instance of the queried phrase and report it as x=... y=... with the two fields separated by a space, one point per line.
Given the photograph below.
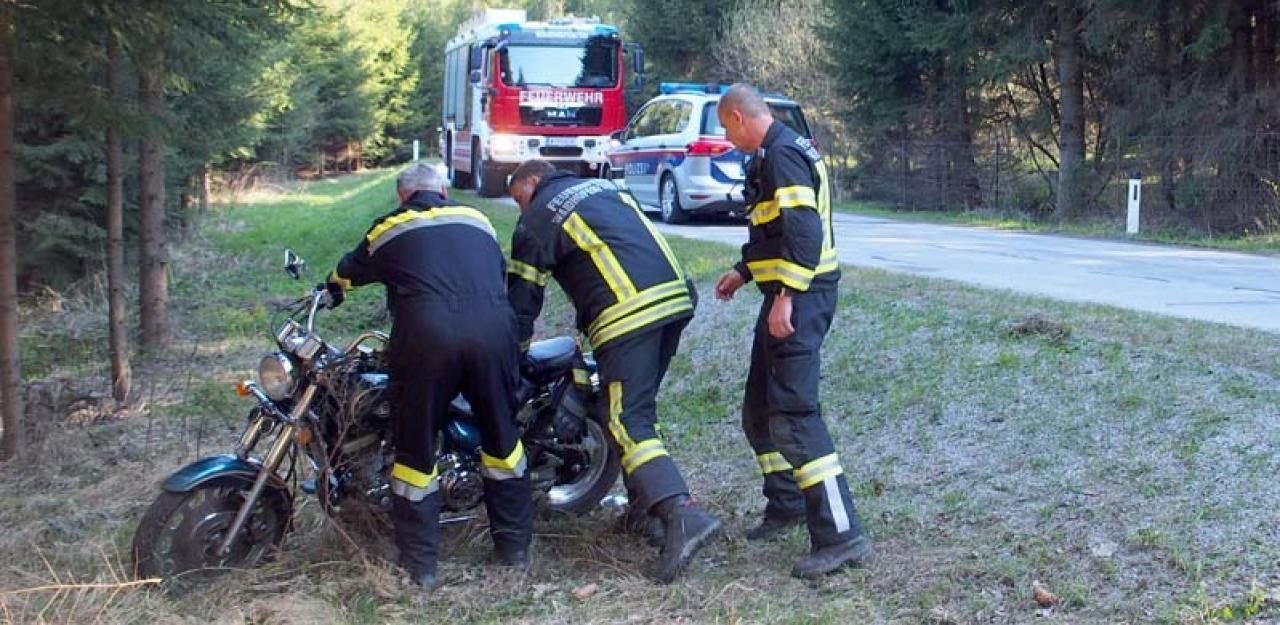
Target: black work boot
x=510 y=507
x=513 y=556
x=639 y=522
x=772 y=526
x=687 y=528
x=417 y=528
x=854 y=552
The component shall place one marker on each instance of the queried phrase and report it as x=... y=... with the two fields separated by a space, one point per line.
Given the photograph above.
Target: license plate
x=562 y=142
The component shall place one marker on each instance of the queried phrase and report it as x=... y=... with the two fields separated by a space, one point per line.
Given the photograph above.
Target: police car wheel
x=669 y=201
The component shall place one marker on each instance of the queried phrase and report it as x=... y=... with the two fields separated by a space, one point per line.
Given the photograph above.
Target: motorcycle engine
x=461 y=486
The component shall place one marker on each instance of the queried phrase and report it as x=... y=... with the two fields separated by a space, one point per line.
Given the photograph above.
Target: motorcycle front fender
x=219 y=468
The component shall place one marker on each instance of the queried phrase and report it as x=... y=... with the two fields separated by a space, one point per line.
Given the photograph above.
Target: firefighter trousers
x=440 y=348
x=782 y=419
x=631 y=369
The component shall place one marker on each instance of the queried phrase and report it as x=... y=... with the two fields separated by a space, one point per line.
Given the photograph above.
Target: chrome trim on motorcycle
x=381 y=336
x=270 y=463
x=249 y=437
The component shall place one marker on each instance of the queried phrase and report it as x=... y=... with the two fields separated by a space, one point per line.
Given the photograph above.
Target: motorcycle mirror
x=293 y=264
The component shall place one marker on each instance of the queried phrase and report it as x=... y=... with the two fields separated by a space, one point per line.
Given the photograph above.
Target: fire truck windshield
x=590 y=63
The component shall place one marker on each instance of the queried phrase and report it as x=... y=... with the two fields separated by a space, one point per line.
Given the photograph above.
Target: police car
x=673 y=154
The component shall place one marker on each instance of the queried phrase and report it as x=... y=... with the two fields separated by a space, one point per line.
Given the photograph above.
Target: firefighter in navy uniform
x=790 y=254
x=452 y=332
x=633 y=301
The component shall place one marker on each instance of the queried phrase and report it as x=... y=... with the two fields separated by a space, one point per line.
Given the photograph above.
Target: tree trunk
x=1241 y=81
x=14 y=436
x=1071 y=164
x=154 y=282
x=204 y=190
x=119 y=342
x=1164 y=64
x=960 y=138
x=1265 y=52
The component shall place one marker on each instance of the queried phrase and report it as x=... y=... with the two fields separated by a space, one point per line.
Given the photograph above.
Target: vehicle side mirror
x=294 y=265
x=474 y=77
x=637 y=60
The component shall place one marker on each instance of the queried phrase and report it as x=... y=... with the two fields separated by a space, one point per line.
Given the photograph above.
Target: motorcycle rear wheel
x=179 y=536
x=593 y=482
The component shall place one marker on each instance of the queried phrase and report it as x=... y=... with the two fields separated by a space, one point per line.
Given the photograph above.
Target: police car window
x=667 y=118
x=785 y=113
x=593 y=63
x=643 y=121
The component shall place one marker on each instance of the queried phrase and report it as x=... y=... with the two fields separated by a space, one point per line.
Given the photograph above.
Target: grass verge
x=1267 y=242
x=1124 y=461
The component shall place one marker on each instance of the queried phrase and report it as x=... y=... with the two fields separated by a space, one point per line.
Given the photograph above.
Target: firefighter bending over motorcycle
x=633 y=300
x=452 y=331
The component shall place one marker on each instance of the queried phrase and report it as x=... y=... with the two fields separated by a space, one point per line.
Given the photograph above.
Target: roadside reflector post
x=416 y=144
x=1135 y=202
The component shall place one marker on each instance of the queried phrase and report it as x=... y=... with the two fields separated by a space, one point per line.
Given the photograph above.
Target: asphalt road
x=1226 y=287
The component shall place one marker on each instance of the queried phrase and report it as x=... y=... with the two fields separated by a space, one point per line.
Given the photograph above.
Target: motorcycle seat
x=548 y=359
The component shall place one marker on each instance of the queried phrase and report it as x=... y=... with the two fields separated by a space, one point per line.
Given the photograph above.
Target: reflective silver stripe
x=817 y=470
x=496 y=473
x=836 y=503
x=641 y=453
x=630 y=305
x=527 y=272
x=424 y=219
x=509 y=468
x=411 y=492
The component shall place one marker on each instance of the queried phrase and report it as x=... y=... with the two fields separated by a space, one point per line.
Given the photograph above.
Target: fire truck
x=516 y=90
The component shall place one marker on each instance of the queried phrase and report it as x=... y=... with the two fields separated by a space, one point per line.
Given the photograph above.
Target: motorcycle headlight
x=276 y=376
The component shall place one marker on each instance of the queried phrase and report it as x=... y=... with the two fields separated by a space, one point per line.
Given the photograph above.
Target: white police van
x=673 y=154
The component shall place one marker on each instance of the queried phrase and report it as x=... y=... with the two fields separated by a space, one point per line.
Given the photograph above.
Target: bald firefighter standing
x=790 y=255
x=633 y=301
x=452 y=331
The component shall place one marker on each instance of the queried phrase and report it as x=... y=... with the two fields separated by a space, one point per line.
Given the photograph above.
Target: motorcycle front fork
x=279 y=449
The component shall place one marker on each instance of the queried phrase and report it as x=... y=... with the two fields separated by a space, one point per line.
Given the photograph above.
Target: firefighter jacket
x=790 y=238
x=604 y=253
x=427 y=249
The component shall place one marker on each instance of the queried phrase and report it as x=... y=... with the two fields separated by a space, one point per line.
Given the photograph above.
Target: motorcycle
x=326 y=412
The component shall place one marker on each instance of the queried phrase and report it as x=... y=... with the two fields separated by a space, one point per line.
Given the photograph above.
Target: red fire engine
x=515 y=90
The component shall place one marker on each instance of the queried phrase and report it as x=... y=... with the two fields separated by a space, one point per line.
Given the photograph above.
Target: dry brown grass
x=1127 y=464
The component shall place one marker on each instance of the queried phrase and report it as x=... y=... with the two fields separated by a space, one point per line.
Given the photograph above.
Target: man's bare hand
x=780 y=317
x=728 y=284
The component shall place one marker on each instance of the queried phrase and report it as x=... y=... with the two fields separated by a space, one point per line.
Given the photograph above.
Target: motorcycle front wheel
x=583 y=489
x=179 y=537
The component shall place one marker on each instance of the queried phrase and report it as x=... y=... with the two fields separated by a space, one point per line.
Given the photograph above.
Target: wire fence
x=1211 y=183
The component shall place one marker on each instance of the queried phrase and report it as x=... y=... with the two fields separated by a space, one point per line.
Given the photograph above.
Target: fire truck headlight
x=504 y=144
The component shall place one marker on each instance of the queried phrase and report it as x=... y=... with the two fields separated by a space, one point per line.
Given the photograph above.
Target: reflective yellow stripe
x=764 y=212
x=509 y=468
x=641 y=453
x=527 y=272
x=411 y=483
x=824 y=209
x=643 y=298
x=581 y=377
x=779 y=270
x=830 y=262
x=795 y=195
x=772 y=462
x=441 y=216
x=608 y=265
x=818 y=470
x=509 y=462
x=657 y=236
x=639 y=320
x=615 y=414
x=412 y=476
x=343 y=282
